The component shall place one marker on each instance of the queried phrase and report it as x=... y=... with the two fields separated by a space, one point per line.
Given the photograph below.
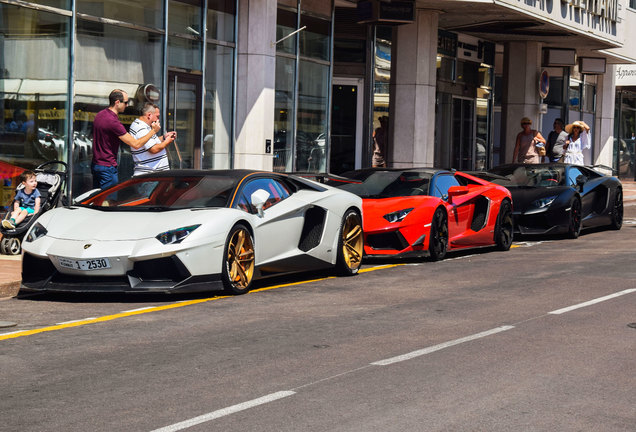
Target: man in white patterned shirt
x=152 y=156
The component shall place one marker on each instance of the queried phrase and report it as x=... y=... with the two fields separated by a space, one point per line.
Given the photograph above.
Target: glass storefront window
x=34 y=65
x=148 y=13
x=285 y=25
x=128 y=60
x=381 y=80
x=574 y=95
x=314 y=40
x=184 y=53
x=284 y=114
x=217 y=123
x=184 y=42
x=313 y=79
x=221 y=20
x=306 y=121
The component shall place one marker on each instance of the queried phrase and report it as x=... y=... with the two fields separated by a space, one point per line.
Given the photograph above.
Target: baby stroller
x=51 y=186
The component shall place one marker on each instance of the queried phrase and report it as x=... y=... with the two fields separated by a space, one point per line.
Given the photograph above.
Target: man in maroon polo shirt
x=108 y=134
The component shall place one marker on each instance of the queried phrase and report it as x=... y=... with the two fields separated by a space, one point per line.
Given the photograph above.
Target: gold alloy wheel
x=352 y=241
x=240 y=259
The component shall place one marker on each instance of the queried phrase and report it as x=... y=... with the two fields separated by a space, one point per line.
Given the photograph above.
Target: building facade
x=312 y=85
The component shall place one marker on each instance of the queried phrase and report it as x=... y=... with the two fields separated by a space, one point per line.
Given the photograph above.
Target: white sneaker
x=7 y=224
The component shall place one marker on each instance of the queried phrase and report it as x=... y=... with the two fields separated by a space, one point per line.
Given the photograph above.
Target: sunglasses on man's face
x=523 y=124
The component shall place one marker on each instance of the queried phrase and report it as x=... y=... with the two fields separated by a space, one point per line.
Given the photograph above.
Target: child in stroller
x=26 y=202
x=50 y=185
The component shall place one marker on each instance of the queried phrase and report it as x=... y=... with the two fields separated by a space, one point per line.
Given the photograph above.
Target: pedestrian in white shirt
x=152 y=156
x=577 y=141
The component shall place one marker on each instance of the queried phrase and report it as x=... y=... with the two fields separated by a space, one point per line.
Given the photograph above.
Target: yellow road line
x=105 y=318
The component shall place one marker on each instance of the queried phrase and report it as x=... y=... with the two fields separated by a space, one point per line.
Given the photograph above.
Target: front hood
x=524 y=196
x=77 y=223
x=375 y=209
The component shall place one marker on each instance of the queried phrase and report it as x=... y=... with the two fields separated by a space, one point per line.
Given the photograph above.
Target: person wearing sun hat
x=577 y=141
x=528 y=144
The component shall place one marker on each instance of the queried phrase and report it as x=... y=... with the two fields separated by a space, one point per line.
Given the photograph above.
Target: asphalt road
x=538 y=338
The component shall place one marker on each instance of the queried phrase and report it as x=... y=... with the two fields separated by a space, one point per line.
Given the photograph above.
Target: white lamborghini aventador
x=185 y=231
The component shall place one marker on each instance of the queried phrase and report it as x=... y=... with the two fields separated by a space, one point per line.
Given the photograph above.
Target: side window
x=442 y=183
x=277 y=192
x=573 y=173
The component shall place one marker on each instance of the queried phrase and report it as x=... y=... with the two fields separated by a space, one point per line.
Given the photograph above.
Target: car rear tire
x=574 y=228
x=438 y=242
x=617 y=210
x=350 y=244
x=504 y=227
x=238 y=261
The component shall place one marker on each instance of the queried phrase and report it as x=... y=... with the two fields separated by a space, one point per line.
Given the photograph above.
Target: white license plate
x=91 y=264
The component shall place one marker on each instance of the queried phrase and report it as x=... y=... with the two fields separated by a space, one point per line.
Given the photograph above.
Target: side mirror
x=258 y=199
x=580 y=181
x=455 y=191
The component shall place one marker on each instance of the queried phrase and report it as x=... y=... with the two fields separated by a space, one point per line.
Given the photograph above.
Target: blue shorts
x=29 y=210
x=104 y=176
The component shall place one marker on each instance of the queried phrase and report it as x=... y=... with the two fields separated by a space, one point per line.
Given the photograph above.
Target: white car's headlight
x=543 y=202
x=36 y=232
x=397 y=216
x=176 y=235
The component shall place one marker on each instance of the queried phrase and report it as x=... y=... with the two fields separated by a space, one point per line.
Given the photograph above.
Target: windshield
x=548 y=175
x=165 y=193
x=388 y=184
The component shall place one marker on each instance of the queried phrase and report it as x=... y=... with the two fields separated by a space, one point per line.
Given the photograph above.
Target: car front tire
x=504 y=227
x=350 y=244
x=238 y=261
x=574 y=228
x=617 y=210
x=438 y=242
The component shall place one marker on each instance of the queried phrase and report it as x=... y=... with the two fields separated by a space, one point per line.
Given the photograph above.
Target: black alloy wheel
x=438 y=242
x=617 y=210
x=574 y=228
x=504 y=227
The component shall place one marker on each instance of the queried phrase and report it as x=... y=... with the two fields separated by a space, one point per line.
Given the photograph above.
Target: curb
x=9 y=289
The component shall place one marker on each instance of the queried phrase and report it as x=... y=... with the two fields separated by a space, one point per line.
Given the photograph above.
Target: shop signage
x=477 y=50
x=447 y=43
x=395 y=12
x=607 y=9
x=625 y=75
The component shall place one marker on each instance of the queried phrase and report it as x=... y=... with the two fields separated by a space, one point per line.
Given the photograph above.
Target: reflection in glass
x=314 y=40
x=311 y=152
x=182 y=117
x=283 y=114
x=128 y=60
x=221 y=20
x=217 y=123
x=381 y=79
x=184 y=42
x=143 y=12
x=33 y=98
x=285 y=25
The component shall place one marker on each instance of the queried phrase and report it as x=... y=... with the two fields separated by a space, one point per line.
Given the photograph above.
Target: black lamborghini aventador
x=559 y=198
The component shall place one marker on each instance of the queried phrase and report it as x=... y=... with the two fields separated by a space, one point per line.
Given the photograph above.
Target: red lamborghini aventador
x=426 y=211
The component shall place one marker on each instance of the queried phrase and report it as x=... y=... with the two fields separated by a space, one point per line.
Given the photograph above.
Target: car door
x=277 y=231
x=458 y=214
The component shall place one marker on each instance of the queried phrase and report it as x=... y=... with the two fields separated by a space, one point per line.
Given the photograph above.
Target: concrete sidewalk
x=11 y=266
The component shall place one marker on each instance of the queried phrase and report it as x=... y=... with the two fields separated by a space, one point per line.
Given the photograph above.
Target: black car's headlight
x=176 y=235
x=397 y=216
x=36 y=232
x=543 y=202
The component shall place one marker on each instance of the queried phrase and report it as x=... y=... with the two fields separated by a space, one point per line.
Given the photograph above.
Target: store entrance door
x=463 y=134
x=346 y=125
x=184 y=116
